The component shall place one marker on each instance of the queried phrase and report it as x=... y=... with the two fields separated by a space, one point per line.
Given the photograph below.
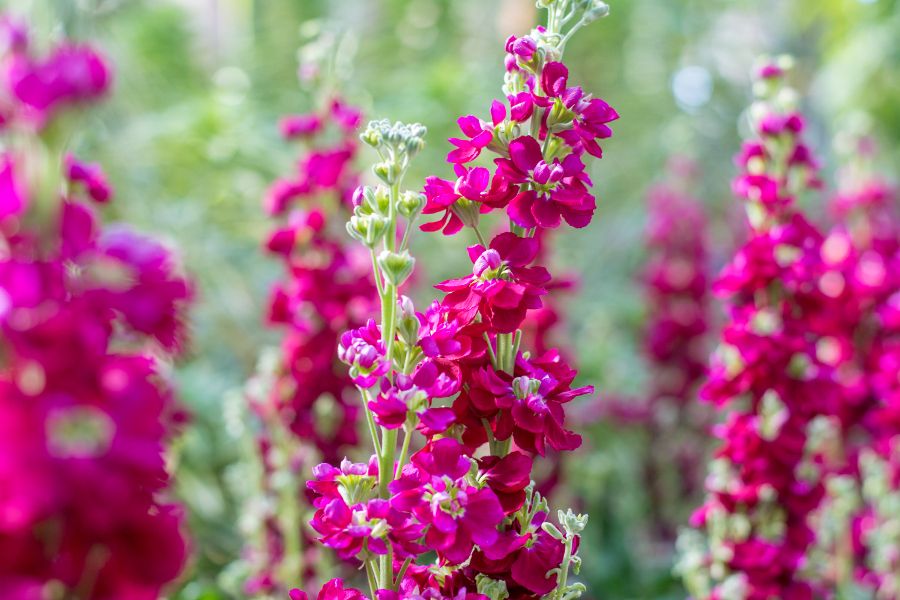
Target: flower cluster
x=460 y=517
x=304 y=399
x=88 y=313
x=861 y=254
x=676 y=288
x=328 y=287
x=769 y=372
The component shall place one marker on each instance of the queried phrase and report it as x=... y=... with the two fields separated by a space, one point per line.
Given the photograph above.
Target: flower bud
x=396 y=266
x=368 y=229
x=597 y=10
x=554 y=532
x=572 y=523
x=386 y=171
x=411 y=204
x=407 y=322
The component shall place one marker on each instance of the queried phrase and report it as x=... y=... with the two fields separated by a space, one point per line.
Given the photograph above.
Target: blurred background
x=190 y=141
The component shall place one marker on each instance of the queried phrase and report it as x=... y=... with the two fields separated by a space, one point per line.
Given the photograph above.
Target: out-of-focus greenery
x=190 y=141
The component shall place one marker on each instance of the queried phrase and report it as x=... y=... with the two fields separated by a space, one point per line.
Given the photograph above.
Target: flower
x=332 y=590
x=435 y=490
x=70 y=74
x=469 y=149
x=556 y=191
x=501 y=288
x=363 y=350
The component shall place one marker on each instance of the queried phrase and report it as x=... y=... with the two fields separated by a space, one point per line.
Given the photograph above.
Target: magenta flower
x=458 y=514
x=369 y=526
x=300 y=126
x=363 y=350
x=473 y=185
x=70 y=74
x=555 y=191
x=333 y=590
x=501 y=288
x=467 y=150
x=89 y=175
x=13 y=195
x=507 y=477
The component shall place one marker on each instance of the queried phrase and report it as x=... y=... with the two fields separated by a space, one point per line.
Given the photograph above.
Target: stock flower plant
x=460 y=516
x=90 y=314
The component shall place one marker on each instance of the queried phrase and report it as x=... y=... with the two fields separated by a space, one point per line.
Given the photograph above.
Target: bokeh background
x=190 y=141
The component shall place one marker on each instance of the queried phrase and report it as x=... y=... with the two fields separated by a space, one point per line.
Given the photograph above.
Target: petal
x=525 y=153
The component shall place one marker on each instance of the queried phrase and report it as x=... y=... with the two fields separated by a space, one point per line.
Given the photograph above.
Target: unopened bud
x=411 y=204
x=396 y=266
x=408 y=322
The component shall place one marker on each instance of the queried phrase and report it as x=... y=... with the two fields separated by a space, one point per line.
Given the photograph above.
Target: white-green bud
x=396 y=266
x=407 y=322
x=411 y=204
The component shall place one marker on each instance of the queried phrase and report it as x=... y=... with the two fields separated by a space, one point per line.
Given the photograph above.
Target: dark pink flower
x=557 y=190
x=479 y=136
x=458 y=514
x=300 y=126
x=333 y=590
x=501 y=288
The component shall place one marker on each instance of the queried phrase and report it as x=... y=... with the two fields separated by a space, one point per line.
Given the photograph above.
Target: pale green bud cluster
x=396 y=144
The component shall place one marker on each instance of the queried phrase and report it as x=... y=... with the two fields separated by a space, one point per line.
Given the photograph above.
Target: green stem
x=479 y=236
x=370 y=420
x=401 y=573
x=404 y=450
x=387 y=568
x=370 y=575
x=564 y=569
x=377 y=273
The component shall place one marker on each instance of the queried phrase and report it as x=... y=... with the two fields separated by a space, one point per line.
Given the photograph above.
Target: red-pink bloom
x=69 y=74
x=501 y=288
x=479 y=136
x=333 y=590
x=435 y=490
x=13 y=195
x=473 y=184
x=558 y=190
x=364 y=351
x=300 y=126
x=370 y=526
x=90 y=175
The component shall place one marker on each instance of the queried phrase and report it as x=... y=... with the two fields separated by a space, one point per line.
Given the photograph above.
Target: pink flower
x=369 y=526
x=13 y=195
x=559 y=189
x=501 y=288
x=89 y=175
x=469 y=149
x=473 y=185
x=435 y=490
x=300 y=126
x=363 y=350
x=333 y=590
x=70 y=74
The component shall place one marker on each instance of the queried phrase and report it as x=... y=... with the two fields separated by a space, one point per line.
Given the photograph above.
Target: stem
x=370 y=575
x=370 y=420
x=387 y=568
x=479 y=236
x=377 y=272
x=402 y=573
x=564 y=569
x=386 y=461
x=404 y=450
